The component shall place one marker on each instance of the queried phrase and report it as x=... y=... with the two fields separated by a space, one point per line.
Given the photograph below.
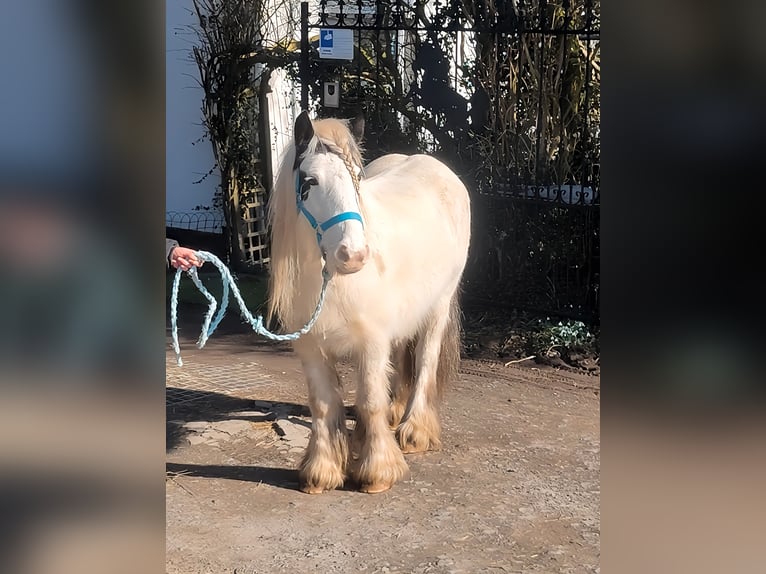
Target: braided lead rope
x=210 y=324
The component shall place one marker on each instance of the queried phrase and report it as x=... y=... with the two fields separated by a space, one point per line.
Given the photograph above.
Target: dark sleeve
x=170 y=244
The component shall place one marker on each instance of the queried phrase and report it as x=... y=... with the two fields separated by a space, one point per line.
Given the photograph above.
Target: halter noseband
x=320 y=228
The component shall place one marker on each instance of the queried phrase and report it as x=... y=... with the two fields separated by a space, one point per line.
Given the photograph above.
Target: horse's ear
x=357 y=127
x=304 y=131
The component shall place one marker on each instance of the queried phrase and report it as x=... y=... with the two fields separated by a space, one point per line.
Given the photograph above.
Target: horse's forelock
x=336 y=135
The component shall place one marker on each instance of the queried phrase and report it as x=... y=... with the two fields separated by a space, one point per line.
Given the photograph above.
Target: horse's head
x=327 y=191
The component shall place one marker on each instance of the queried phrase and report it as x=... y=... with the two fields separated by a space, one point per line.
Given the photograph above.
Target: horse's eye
x=306 y=187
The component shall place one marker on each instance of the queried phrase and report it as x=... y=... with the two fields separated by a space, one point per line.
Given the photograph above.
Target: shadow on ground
x=279 y=477
x=186 y=405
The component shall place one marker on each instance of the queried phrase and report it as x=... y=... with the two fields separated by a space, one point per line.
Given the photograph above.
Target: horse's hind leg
x=379 y=463
x=324 y=464
x=401 y=381
x=419 y=429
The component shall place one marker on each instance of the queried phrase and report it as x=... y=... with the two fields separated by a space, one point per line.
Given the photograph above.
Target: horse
x=392 y=244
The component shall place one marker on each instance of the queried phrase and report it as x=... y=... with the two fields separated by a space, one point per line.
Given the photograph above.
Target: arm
x=182 y=257
x=170 y=244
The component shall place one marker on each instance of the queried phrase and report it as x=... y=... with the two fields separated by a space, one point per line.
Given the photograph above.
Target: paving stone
x=195 y=439
x=214 y=435
x=232 y=427
x=197 y=426
x=296 y=434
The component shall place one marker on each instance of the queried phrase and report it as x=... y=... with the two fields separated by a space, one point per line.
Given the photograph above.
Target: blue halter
x=320 y=228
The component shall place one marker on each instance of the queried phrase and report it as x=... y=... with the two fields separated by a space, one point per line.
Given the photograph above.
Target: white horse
x=394 y=243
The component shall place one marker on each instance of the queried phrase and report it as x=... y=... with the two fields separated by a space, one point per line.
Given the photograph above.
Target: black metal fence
x=198 y=230
x=208 y=221
x=508 y=95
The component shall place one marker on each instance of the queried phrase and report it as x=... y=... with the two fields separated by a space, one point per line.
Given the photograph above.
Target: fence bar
x=304 y=63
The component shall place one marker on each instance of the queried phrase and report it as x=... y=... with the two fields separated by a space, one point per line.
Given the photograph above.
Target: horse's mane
x=335 y=135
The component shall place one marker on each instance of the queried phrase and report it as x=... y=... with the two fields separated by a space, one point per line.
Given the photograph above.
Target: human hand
x=184 y=258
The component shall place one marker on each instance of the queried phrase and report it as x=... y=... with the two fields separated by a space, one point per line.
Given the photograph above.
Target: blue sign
x=325 y=40
x=336 y=44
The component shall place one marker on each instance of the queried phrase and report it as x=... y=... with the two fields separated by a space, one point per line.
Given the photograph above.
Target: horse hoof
x=417 y=438
x=375 y=487
x=411 y=443
x=410 y=448
x=312 y=489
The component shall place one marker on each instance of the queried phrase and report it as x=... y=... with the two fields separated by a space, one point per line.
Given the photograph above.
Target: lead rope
x=210 y=324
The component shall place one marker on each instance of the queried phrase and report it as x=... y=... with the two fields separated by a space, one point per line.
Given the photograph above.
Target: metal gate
x=508 y=95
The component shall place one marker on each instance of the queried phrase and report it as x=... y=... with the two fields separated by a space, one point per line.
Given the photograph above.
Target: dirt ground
x=515 y=487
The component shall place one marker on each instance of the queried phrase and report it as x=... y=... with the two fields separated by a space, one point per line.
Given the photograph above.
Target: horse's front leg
x=324 y=464
x=379 y=463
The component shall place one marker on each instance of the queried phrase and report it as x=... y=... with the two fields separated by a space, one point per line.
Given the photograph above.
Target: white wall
x=185 y=163
x=49 y=107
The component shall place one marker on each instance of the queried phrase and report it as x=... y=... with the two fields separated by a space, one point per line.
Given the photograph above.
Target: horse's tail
x=451 y=347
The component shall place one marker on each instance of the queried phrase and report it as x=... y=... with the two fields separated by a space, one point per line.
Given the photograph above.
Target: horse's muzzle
x=351 y=261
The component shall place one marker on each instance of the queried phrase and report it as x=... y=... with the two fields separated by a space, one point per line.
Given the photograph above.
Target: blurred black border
x=682 y=257
x=683 y=95
x=84 y=88
x=683 y=124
